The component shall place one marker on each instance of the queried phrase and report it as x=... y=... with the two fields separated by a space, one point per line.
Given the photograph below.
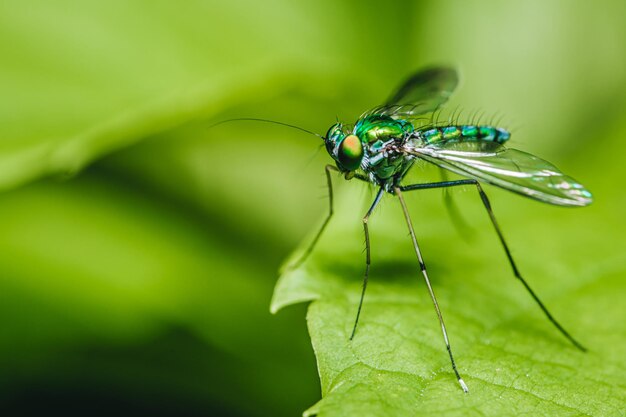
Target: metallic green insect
x=386 y=141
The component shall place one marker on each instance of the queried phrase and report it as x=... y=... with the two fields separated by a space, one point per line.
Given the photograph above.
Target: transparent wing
x=510 y=169
x=423 y=92
x=432 y=87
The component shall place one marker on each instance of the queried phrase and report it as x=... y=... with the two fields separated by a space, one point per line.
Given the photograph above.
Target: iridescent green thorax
x=376 y=127
x=382 y=136
x=445 y=134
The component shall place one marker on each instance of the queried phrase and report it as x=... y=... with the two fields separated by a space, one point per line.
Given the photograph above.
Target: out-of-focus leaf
x=94 y=265
x=80 y=80
x=548 y=71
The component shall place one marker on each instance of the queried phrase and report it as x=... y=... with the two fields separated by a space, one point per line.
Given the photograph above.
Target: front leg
x=311 y=246
x=367 y=256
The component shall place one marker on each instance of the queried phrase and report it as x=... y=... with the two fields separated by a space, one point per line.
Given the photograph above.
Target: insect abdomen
x=464 y=133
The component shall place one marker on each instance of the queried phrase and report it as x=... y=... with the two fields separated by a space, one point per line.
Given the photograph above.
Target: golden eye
x=350 y=152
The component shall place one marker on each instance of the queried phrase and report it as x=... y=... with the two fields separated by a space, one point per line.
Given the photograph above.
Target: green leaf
x=512 y=359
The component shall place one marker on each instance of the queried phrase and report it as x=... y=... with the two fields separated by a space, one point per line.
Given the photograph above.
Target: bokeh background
x=139 y=246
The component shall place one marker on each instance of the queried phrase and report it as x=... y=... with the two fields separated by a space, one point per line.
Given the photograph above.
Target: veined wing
x=423 y=92
x=507 y=168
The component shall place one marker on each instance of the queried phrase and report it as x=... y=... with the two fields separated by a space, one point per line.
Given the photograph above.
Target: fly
x=385 y=142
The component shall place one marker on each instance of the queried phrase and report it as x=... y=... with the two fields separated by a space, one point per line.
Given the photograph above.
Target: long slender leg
x=516 y=272
x=367 y=257
x=398 y=192
x=309 y=249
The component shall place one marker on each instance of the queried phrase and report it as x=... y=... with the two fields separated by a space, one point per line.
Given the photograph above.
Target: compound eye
x=350 y=152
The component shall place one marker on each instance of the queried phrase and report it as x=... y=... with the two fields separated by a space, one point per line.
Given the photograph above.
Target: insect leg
x=418 y=252
x=367 y=256
x=516 y=272
x=309 y=249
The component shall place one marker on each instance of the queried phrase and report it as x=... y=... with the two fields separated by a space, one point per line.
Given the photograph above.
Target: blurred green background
x=139 y=248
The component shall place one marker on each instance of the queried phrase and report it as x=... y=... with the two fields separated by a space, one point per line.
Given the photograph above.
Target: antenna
x=252 y=119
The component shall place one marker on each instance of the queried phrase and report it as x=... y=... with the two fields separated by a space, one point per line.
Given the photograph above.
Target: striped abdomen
x=466 y=133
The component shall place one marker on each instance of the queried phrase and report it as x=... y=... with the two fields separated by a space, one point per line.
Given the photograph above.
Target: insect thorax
x=383 y=137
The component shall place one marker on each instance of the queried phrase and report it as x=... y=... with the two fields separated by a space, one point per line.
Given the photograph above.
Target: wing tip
x=579 y=197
